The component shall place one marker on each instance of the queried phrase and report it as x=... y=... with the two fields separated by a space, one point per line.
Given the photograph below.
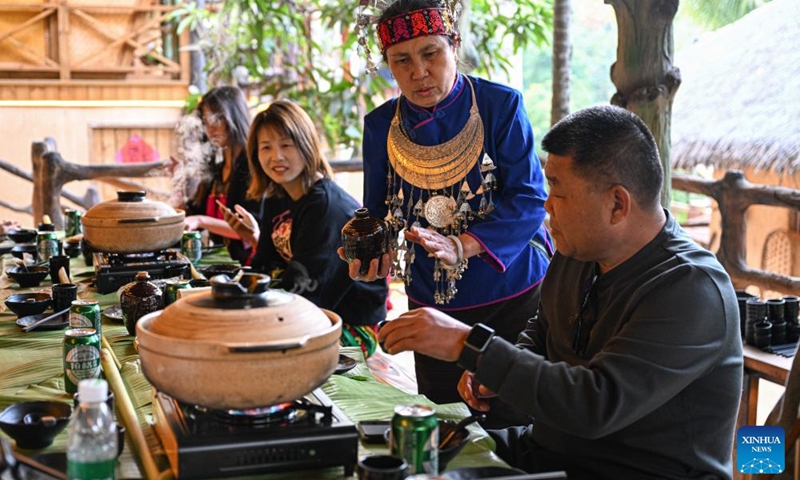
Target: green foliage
x=718 y=13
x=495 y=22
x=593 y=53
x=306 y=50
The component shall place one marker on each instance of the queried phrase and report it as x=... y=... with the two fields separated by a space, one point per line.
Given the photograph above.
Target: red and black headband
x=419 y=23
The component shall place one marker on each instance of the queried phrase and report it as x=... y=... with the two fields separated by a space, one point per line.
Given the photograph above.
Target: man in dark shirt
x=632 y=367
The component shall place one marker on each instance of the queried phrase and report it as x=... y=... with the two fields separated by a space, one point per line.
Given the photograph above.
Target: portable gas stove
x=113 y=270
x=305 y=434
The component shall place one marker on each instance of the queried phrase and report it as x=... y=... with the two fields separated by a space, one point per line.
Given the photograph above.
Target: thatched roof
x=738 y=105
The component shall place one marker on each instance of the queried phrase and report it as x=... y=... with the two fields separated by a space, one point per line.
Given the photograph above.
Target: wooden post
x=54 y=172
x=645 y=78
x=37 y=150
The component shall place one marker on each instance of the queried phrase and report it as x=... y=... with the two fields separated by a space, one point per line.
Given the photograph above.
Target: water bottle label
x=103 y=470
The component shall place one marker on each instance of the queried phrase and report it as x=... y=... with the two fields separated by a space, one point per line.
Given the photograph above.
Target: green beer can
x=191 y=246
x=81 y=357
x=171 y=290
x=86 y=314
x=72 y=222
x=415 y=437
x=47 y=245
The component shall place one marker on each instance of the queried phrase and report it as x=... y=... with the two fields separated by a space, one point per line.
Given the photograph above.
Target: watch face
x=479 y=337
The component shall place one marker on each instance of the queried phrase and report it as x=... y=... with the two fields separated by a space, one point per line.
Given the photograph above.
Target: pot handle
x=138 y=220
x=268 y=347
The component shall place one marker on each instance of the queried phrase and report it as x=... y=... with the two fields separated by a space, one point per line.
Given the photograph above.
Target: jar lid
x=131 y=205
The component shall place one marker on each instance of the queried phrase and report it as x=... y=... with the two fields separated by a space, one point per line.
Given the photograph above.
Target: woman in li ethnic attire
x=451 y=162
x=226 y=120
x=300 y=230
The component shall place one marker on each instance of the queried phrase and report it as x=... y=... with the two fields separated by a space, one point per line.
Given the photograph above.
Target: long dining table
x=31 y=369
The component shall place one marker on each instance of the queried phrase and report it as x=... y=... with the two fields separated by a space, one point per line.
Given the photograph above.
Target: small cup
x=791 y=307
x=57 y=262
x=382 y=467
x=63 y=296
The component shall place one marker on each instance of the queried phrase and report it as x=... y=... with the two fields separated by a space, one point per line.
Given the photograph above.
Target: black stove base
x=198 y=447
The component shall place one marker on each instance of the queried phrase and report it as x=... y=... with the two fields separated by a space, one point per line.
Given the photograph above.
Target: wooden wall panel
x=108 y=141
x=32 y=37
x=55 y=90
x=75 y=131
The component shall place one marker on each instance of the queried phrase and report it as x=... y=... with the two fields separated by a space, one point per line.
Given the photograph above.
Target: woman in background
x=300 y=230
x=226 y=120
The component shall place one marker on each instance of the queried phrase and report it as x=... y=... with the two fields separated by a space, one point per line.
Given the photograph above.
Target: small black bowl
x=72 y=249
x=29 y=276
x=229 y=269
x=19 y=251
x=453 y=446
x=34 y=425
x=23 y=235
x=24 y=304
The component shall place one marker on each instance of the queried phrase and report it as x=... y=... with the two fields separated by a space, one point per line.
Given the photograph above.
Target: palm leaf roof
x=738 y=106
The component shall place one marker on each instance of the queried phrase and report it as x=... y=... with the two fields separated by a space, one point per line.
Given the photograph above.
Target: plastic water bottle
x=92 y=435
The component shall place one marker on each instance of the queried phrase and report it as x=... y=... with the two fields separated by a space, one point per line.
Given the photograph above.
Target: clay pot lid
x=241 y=311
x=132 y=206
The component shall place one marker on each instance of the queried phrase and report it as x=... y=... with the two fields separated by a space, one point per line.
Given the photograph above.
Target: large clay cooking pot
x=132 y=224
x=239 y=346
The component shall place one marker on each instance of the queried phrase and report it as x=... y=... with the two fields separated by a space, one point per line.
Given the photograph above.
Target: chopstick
x=44 y=320
x=128 y=414
x=531 y=476
x=107 y=346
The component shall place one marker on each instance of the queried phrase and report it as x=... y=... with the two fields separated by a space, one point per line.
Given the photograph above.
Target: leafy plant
x=306 y=50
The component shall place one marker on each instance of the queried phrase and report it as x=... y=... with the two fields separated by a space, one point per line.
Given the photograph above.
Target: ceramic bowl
x=453 y=446
x=23 y=235
x=19 y=251
x=72 y=249
x=34 y=425
x=29 y=276
x=24 y=304
x=228 y=269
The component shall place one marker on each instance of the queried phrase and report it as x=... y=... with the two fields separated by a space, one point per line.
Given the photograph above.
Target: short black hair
x=610 y=145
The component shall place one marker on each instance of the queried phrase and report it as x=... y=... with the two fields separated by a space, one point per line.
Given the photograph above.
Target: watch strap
x=475 y=345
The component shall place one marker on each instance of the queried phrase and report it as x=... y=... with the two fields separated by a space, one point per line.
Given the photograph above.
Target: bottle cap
x=93 y=390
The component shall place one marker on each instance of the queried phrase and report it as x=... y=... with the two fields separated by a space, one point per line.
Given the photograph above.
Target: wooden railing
x=734 y=195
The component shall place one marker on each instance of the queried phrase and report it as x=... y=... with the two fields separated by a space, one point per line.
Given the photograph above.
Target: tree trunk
x=562 y=57
x=645 y=78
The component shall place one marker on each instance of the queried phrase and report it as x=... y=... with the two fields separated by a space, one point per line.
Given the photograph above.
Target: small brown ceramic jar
x=364 y=237
x=139 y=298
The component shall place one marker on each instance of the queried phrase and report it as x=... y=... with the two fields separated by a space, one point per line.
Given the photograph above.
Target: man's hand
x=426 y=331
x=474 y=393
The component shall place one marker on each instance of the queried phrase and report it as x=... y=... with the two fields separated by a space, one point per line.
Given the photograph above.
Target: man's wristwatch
x=474 y=346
